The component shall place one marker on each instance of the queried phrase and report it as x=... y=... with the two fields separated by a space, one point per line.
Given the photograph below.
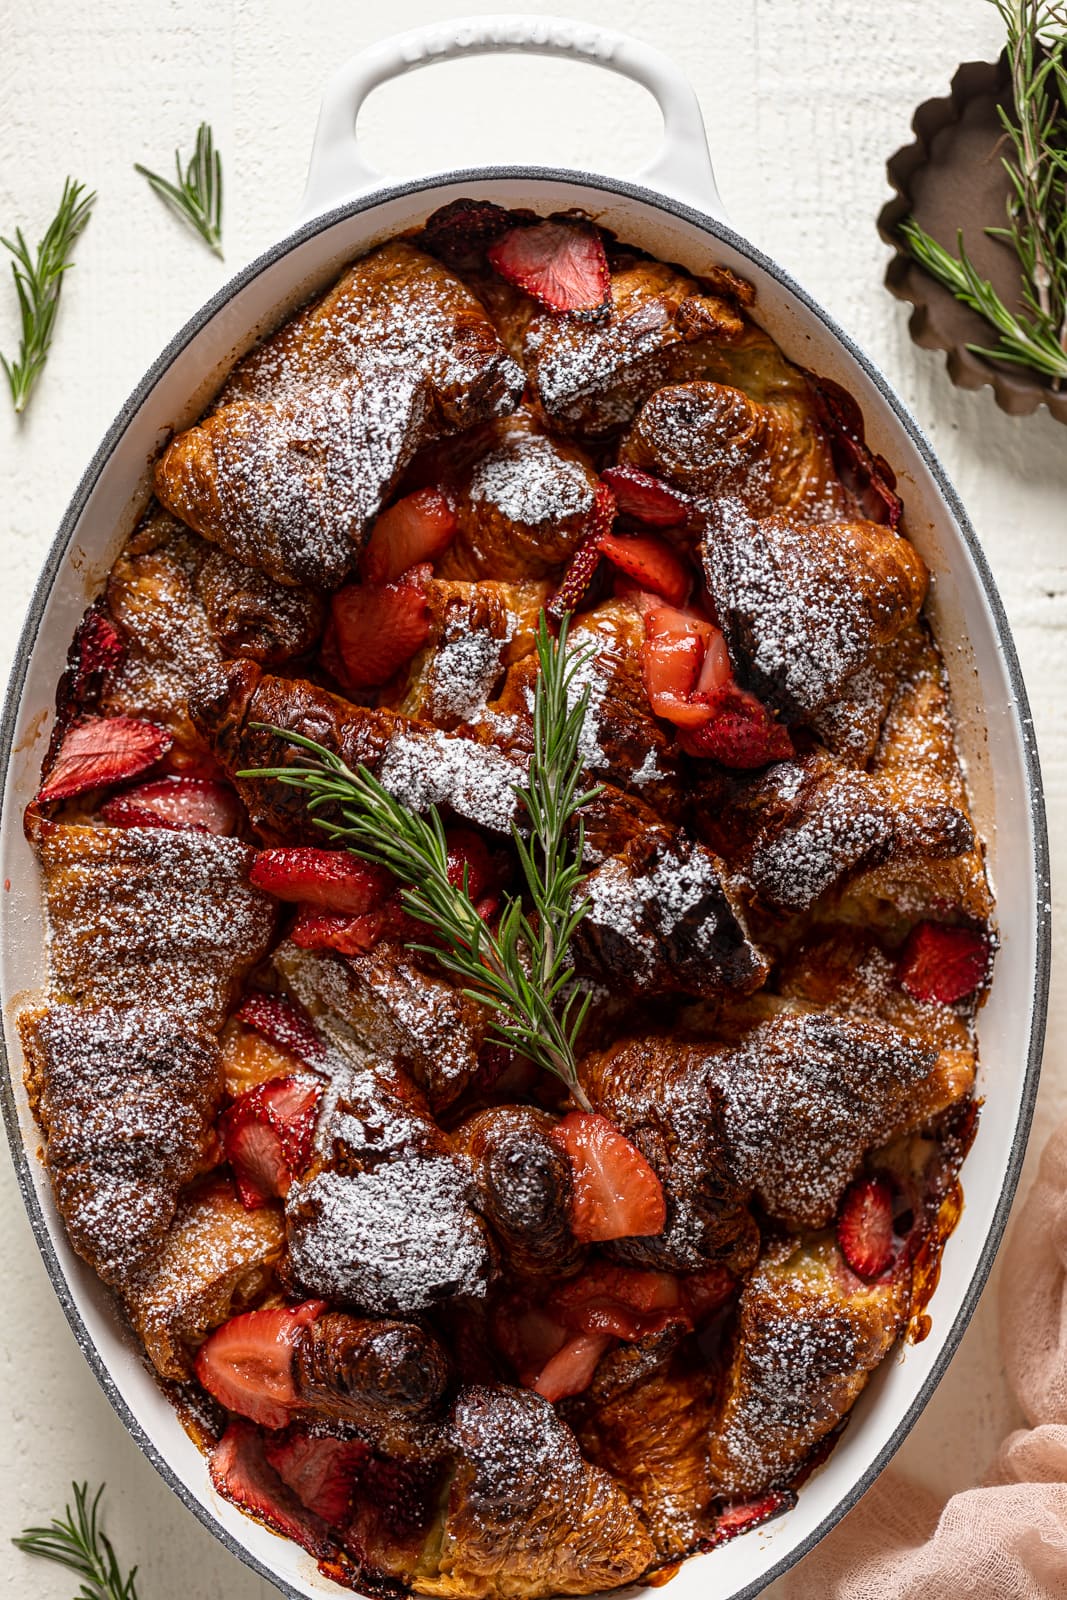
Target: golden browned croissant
x=216 y=1259
x=712 y=440
x=805 y=608
x=810 y=1334
x=525 y=1515
x=126 y=1100
x=477 y=630
x=317 y=426
x=252 y=615
x=523 y=1185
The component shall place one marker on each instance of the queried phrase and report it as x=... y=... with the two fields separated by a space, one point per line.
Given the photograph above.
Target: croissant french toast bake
x=523 y=1225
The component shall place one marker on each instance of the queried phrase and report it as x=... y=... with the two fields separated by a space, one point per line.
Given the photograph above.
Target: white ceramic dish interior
x=674 y=211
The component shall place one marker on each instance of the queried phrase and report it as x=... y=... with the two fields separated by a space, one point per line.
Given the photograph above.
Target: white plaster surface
x=803 y=99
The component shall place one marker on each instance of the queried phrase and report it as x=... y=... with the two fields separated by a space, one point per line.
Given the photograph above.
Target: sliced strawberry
x=570 y=1370
x=247 y=1364
x=683 y=654
x=944 y=964
x=241 y=1472
x=704 y=1293
x=740 y=731
x=96 y=650
x=644 y=498
x=279 y=1021
x=562 y=264
x=616 y=1193
x=377 y=628
x=651 y=563
x=103 y=750
x=195 y=805
x=418 y=528
x=336 y=880
x=583 y=568
x=266 y=1137
x=868 y=477
x=865 y=1226
x=621 y=1302
x=460 y=232
x=470 y=865
x=320 y=1469
x=738 y=1516
x=329 y=930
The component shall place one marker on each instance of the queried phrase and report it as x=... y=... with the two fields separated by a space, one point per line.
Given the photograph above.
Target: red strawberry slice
x=103 y=750
x=418 y=528
x=468 y=854
x=336 y=880
x=241 y=1472
x=96 y=650
x=621 y=1302
x=644 y=498
x=328 y=930
x=266 y=1137
x=616 y=1193
x=582 y=569
x=865 y=1226
x=738 y=1516
x=282 y=1024
x=562 y=264
x=868 y=477
x=651 y=563
x=459 y=232
x=195 y=805
x=683 y=654
x=740 y=733
x=320 y=1469
x=944 y=964
x=247 y=1364
x=376 y=629
x=571 y=1369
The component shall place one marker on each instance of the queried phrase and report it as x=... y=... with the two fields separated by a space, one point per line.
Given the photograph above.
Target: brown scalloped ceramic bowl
x=953 y=177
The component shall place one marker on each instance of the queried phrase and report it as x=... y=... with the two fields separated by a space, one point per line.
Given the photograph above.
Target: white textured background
x=803 y=99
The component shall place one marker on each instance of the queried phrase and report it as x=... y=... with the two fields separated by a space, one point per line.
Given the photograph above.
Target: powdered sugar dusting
x=423 y=769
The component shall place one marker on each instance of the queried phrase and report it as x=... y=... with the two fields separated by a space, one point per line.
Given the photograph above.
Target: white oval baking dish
x=673 y=211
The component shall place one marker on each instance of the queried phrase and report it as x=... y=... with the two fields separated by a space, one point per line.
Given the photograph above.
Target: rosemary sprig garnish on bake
x=78 y=1542
x=523 y=971
x=1036 y=127
x=38 y=281
x=197 y=195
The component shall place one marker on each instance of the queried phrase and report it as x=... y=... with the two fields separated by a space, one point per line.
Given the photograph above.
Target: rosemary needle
x=78 y=1542
x=522 y=971
x=197 y=195
x=38 y=281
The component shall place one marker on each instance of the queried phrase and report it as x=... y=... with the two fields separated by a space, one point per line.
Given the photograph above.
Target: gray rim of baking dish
x=1042 y=907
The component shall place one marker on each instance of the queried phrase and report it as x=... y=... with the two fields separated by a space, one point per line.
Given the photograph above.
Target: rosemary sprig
x=78 y=1542
x=38 y=281
x=197 y=195
x=1023 y=340
x=522 y=972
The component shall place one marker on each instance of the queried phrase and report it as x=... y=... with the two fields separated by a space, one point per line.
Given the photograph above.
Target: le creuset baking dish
x=674 y=211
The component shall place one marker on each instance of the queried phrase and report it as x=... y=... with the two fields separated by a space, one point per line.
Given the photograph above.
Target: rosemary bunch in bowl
x=522 y=971
x=1035 y=127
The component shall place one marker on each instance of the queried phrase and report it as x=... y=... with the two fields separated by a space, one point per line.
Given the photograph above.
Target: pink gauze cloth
x=1008 y=1539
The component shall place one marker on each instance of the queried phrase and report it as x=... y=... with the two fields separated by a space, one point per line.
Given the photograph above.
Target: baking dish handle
x=682 y=168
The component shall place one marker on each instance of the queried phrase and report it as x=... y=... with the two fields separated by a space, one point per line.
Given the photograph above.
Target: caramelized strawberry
x=470 y=865
x=266 y=1137
x=331 y=930
x=582 y=569
x=621 y=1302
x=571 y=1369
x=616 y=1193
x=865 y=1226
x=418 y=528
x=101 y=751
x=320 y=1469
x=738 y=1516
x=241 y=1472
x=376 y=629
x=683 y=654
x=944 y=964
x=644 y=498
x=460 y=232
x=336 y=880
x=282 y=1024
x=194 y=805
x=740 y=731
x=651 y=563
x=561 y=264
x=95 y=651
x=247 y=1364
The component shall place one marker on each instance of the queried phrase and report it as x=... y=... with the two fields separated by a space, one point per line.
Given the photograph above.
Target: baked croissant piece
x=804 y=608
x=810 y=1334
x=252 y=615
x=523 y=1185
x=127 y=1102
x=317 y=426
x=711 y=441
